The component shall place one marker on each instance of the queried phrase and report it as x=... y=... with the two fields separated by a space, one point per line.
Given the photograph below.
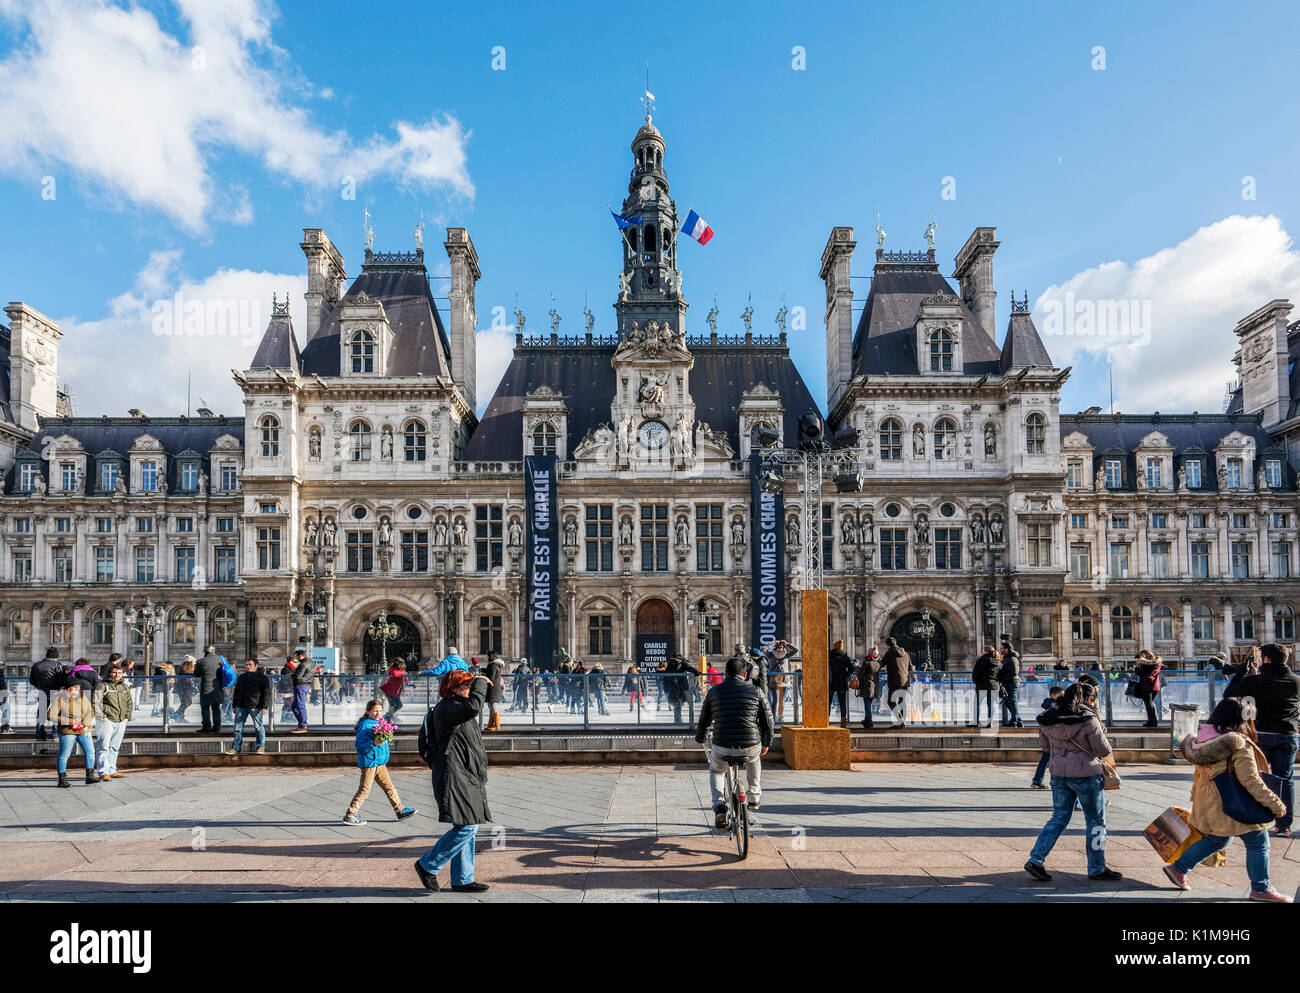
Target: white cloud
x=121 y=361
x=495 y=349
x=110 y=95
x=1183 y=302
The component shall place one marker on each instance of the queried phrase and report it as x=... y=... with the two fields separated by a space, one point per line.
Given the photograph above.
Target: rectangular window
x=1202 y=624
x=1273 y=472
x=487 y=537
x=105 y=564
x=415 y=551
x=1114 y=473
x=1199 y=559
x=27 y=477
x=144 y=564
x=1193 y=469
x=893 y=548
x=600 y=538
x=489 y=634
x=1080 y=562
x=108 y=477
x=144 y=525
x=708 y=537
x=268 y=508
x=1282 y=559
x=63 y=525
x=654 y=537
x=63 y=565
x=189 y=477
x=268 y=548
x=185 y=563
x=225 y=563
x=1119 y=560
x=1240 y=521
x=68 y=475
x=1281 y=521
x=1074 y=475
x=600 y=634
x=1038 y=544
x=1198 y=520
x=1159 y=521
x=1078 y=520
x=1153 y=473
x=185 y=525
x=1234 y=474
x=225 y=525
x=947 y=548
x=1239 y=556
x=23 y=525
x=229 y=477
x=361 y=551
x=1160 y=560
x=104 y=525
x=1119 y=522
x=149 y=477
x=22 y=568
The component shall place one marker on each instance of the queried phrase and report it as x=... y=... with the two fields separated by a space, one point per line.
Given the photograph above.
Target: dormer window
x=544 y=439
x=108 y=477
x=1153 y=473
x=363 y=352
x=941 y=351
x=1234 y=473
x=149 y=477
x=1273 y=472
x=27 y=477
x=229 y=477
x=189 y=477
x=1193 y=469
x=1035 y=434
x=68 y=476
x=360 y=434
x=1114 y=474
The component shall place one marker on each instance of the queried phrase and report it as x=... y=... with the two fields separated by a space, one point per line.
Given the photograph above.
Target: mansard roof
x=1189 y=435
x=583 y=374
x=279 y=347
x=1023 y=346
x=883 y=342
x=400 y=282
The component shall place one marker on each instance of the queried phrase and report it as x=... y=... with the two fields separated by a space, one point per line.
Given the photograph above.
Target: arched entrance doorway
x=406 y=644
x=915 y=647
x=655 y=640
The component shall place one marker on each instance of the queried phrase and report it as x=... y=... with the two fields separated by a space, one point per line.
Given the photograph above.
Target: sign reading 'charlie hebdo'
x=542 y=548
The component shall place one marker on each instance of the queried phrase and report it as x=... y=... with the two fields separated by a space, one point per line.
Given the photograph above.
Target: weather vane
x=649 y=98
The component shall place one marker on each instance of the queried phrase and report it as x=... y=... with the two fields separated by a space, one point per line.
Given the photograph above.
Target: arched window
x=631 y=239
x=1121 y=623
x=360 y=433
x=650 y=238
x=891 y=439
x=363 y=352
x=60 y=627
x=101 y=627
x=1081 y=623
x=223 y=626
x=544 y=439
x=20 y=628
x=271 y=436
x=1283 y=623
x=1202 y=623
x=183 y=627
x=941 y=351
x=1243 y=623
x=1035 y=434
x=414 y=440
x=945 y=439
x=1162 y=622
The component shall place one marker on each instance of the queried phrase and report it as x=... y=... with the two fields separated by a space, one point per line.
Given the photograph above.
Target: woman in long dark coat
x=454 y=750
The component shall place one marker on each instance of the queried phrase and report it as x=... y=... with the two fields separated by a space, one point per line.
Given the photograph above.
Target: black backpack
x=424 y=743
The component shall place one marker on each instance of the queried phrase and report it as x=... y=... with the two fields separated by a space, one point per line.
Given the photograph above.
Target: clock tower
x=650 y=285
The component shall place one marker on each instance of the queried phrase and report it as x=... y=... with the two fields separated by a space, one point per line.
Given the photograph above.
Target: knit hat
x=51 y=652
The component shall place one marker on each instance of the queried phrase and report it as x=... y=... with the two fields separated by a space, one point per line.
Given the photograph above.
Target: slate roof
x=883 y=342
x=279 y=347
x=585 y=377
x=107 y=439
x=1190 y=436
x=420 y=344
x=1022 y=346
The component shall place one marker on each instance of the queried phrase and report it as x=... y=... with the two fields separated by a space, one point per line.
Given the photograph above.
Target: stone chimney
x=465 y=275
x=974 y=270
x=33 y=365
x=325 y=275
x=1262 y=361
x=836 y=259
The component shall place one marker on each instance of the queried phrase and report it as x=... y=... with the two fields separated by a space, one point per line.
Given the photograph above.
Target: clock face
x=653 y=435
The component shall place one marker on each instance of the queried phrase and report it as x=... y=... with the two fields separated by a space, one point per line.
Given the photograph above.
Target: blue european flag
x=623 y=221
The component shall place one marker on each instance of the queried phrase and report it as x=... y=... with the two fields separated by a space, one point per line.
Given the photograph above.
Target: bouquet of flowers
x=384 y=731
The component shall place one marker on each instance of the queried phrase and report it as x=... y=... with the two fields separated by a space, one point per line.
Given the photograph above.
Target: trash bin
x=1184 y=718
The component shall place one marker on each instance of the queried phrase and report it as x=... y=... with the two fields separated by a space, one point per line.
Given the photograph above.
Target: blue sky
x=1120 y=182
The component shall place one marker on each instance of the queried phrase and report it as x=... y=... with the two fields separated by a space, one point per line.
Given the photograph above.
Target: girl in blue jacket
x=372 y=760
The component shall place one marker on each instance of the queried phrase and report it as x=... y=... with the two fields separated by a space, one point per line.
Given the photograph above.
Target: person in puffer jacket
x=1223 y=743
x=372 y=760
x=742 y=725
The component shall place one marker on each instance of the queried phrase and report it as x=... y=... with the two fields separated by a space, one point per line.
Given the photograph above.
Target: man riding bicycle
x=742 y=726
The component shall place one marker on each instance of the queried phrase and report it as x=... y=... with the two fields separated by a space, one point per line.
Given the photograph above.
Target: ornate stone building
x=360 y=480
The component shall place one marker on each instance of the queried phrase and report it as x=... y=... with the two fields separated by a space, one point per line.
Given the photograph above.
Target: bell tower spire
x=650 y=283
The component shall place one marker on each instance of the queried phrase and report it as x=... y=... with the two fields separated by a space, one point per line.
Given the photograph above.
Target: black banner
x=542 y=550
x=654 y=650
x=766 y=560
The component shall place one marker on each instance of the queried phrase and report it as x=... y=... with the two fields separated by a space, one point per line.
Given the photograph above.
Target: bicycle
x=733 y=797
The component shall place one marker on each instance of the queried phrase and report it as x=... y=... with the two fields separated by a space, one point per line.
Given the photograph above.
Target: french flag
x=697 y=227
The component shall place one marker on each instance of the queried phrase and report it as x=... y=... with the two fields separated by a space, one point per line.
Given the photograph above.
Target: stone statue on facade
x=683 y=432
x=880 y=234
x=516 y=533
x=683 y=532
x=918 y=440
x=652 y=389
x=977 y=529
x=792 y=532
x=625 y=532
x=1261 y=479
x=458 y=532
x=331 y=533
x=1182 y=477
x=624 y=286
x=386 y=444
x=737 y=531
x=625 y=436
x=1100 y=481
x=119 y=487
x=203 y=482
x=866 y=530
x=995 y=529
x=570 y=532
x=1223 y=475
x=929 y=232
x=162 y=484
x=313 y=444
x=990 y=440
x=848 y=532
x=440 y=533
x=385 y=532
x=312 y=533
x=923 y=529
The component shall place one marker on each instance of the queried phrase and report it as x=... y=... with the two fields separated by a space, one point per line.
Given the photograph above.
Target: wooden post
x=815 y=745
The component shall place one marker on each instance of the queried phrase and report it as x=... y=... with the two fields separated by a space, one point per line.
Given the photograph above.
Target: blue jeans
x=1256 y=843
x=1010 y=707
x=987 y=696
x=241 y=715
x=1042 y=767
x=456 y=847
x=301 y=693
x=110 y=734
x=1064 y=791
x=66 y=744
x=1280 y=750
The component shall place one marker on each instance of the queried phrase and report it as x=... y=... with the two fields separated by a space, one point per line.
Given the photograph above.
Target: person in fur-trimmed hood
x=1224 y=743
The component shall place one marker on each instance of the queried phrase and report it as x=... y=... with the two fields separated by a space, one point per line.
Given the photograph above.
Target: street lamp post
x=705 y=616
x=924 y=629
x=384 y=630
x=146 y=622
x=996 y=614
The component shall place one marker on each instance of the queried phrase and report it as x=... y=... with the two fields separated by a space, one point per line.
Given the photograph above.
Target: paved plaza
x=899 y=832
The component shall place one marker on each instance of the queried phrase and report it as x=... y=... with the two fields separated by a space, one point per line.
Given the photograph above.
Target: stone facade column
x=78 y=629
x=573 y=624
x=202 y=521
x=83 y=567
x=1142 y=554
x=1224 y=560
x=201 y=627
x=1189 y=639
x=38 y=631
x=1102 y=566
x=1065 y=649
x=119 y=627
x=440 y=612
x=161 y=651
x=850 y=621
x=41 y=565
x=1268 y=620
x=627 y=627
x=330 y=636
x=247 y=644
x=1107 y=640
x=124 y=571
x=868 y=619
x=1227 y=639
x=516 y=642
x=978 y=648
x=1147 y=640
